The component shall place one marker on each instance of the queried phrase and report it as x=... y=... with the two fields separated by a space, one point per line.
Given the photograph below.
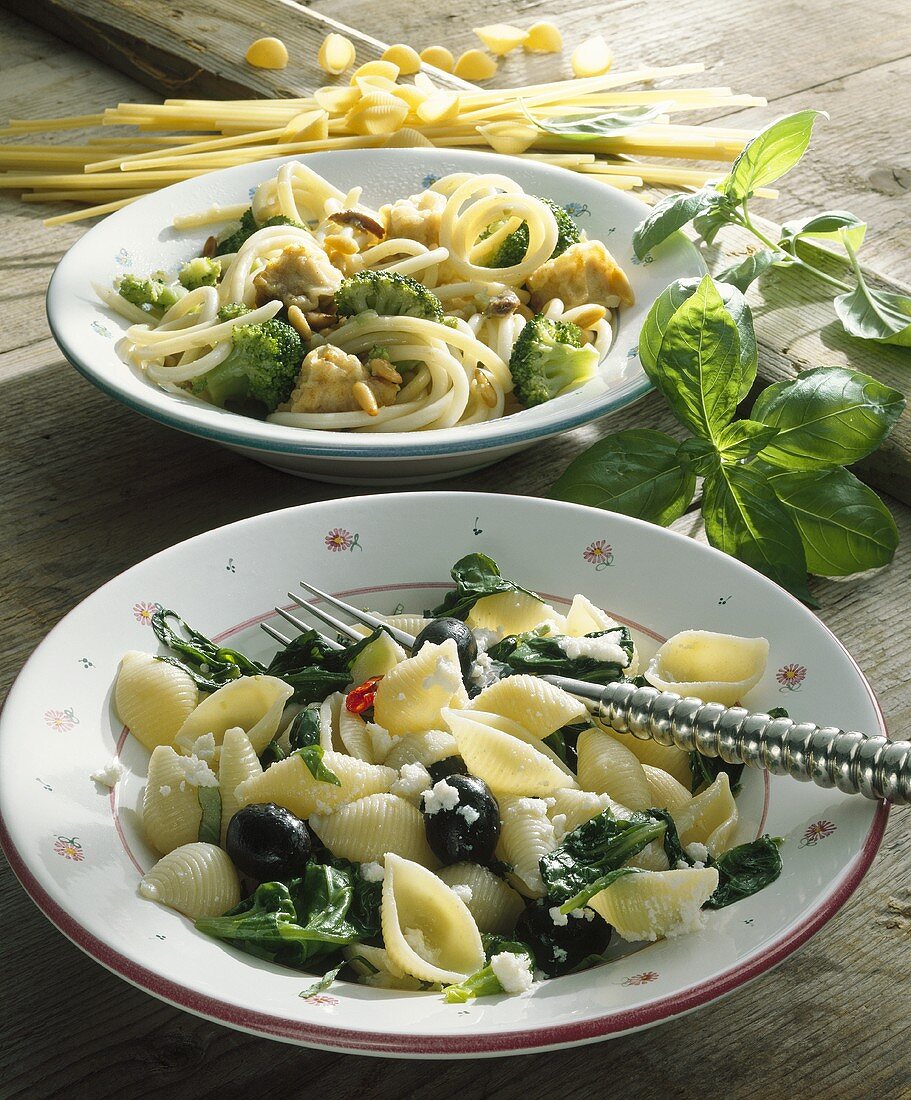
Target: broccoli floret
x=260 y=371
x=231 y=310
x=388 y=294
x=202 y=271
x=549 y=358
x=512 y=250
x=150 y=294
x=248 y=226
x=378 y=352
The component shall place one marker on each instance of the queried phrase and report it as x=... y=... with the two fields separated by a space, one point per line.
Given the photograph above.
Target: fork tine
x=363 y=617
x=303 y=627
x=273 y=633
x=330 y=620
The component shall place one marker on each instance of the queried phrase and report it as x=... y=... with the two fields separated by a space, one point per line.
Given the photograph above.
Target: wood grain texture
x=89 y=489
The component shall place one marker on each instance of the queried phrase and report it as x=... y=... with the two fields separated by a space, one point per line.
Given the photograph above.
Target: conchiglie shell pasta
x=584 y=618
x=526 y=834
x=667 y=757
x=422 y=748
x=652 y=858
x=237 y=763
x=494 y=904
x=378 y=658
x=255 y=703
x=386 y=975
x=366 y=830
x=607 y=767
x=353 y=734
x=667 y=793
x=540 y=707
x=409 y=699
x=717 y=668
x=572 y=808
x=507 y=764
x=710 y=818
x=428 y=930
x=170 y=803
x=290 y=783
x=196 y=879
x=507 y=725
x=411 y=624
x=651 y=904
x=512 y=613
x=153 y=698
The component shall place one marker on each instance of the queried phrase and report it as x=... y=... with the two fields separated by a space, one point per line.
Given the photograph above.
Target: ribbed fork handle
x=830 y=757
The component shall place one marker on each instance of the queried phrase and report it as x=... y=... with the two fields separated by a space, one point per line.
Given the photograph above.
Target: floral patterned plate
x=78 y=849
x=140 y=239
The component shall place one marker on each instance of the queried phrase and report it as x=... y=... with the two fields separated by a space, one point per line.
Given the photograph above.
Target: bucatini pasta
x=452 y=822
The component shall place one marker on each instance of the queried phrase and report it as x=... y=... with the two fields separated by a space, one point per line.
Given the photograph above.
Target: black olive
x=443 y=769
x=268 y=843
x=440 y=630
x=558 y=948
x=470 y=830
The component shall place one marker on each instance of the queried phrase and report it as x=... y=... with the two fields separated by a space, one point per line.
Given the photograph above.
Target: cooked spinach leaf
x=484 y=983
x=323 y=984
x=475 y=576
x=209 y=664
x=542 y=654
x=745 y=870
x=313 y=669
x=706 y=769
x=210 y=823
x=312 y=756
x=304 y=729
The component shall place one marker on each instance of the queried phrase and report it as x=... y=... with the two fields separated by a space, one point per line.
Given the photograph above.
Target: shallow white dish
x=78 y=851
x=140 y=239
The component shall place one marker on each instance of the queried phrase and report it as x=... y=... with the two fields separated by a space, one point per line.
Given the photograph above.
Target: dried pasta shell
x=367 y=829
x=428 y=930
x=238 y=762
x=717 y=668
x=422 y=748
x=255 y=703
x=290 y=783
x=170 y=803
x=196 y=879
x=409 y=699
x=494 y=904
x=607 y=767
x=540 y=707
x=710 y=818
x=526 y=834
x=507 y=764
x=656 y=903
x=512 y=613
x=153 y=698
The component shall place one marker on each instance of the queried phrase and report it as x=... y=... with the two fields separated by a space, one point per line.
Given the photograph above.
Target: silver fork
x=855 y=763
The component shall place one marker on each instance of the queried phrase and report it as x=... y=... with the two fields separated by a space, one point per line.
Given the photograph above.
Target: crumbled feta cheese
x=605 y=648
x=204 y=747
x=196 y=772
x=559 y=919
x=413 y=780
x=323 y=810
x=373 y=872
x=512 y=971
x=582 y=914
x=559 y=954
x=559 y=824
x=381 y=741
x=470 y=814
x=483 y=672
x=485 y=638
x=463 y=891
x=526 y=805
x=108 y=775
x=698 y=852
x=164 y=791
x=440 y=797
x=447 y=674
x=414 y=937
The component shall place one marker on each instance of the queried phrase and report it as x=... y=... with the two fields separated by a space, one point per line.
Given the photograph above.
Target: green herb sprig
x=865 y=313
x=775 y=491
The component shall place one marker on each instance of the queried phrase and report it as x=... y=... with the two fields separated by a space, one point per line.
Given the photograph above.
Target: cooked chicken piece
x=357 y=219
x=585 y=272
x=327 y=383
x=417 y=218
x=299 y=276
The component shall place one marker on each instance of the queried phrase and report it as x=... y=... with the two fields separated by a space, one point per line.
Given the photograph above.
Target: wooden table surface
x=89 y=488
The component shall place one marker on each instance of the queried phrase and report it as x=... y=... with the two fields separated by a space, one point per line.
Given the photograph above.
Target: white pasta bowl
x=78 y=850
x=140 y=239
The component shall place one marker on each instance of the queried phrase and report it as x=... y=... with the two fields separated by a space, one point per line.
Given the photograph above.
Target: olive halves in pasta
x=438 y=631
x=560 y=942
x=268 y=843
x=462 y=820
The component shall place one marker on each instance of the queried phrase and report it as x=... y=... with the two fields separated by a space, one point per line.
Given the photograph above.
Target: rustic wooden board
x=197 y=48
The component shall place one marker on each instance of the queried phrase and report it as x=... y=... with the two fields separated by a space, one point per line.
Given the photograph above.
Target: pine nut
x=364 y=396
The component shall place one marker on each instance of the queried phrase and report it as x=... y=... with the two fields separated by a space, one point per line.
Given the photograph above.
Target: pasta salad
x=440 y=820
x=454 y=306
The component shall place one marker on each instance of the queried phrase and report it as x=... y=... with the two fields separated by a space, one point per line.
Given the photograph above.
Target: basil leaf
x=744 y=439
x=709 y=224
x=669 y=301
x=584 y=127
x=744 y=870
x=748 y=270
x=635 y=472
x=699 y=455
x=844 y=525
x=827 y=226
x=698 y=368
x=744 y=518
x=770 y=154
x=312 y=756
x=877 y=315
x=669 y=215
x=210 y=822
x=826 y=417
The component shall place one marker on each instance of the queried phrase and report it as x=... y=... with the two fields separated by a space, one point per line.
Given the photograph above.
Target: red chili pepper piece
x=361 y=698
